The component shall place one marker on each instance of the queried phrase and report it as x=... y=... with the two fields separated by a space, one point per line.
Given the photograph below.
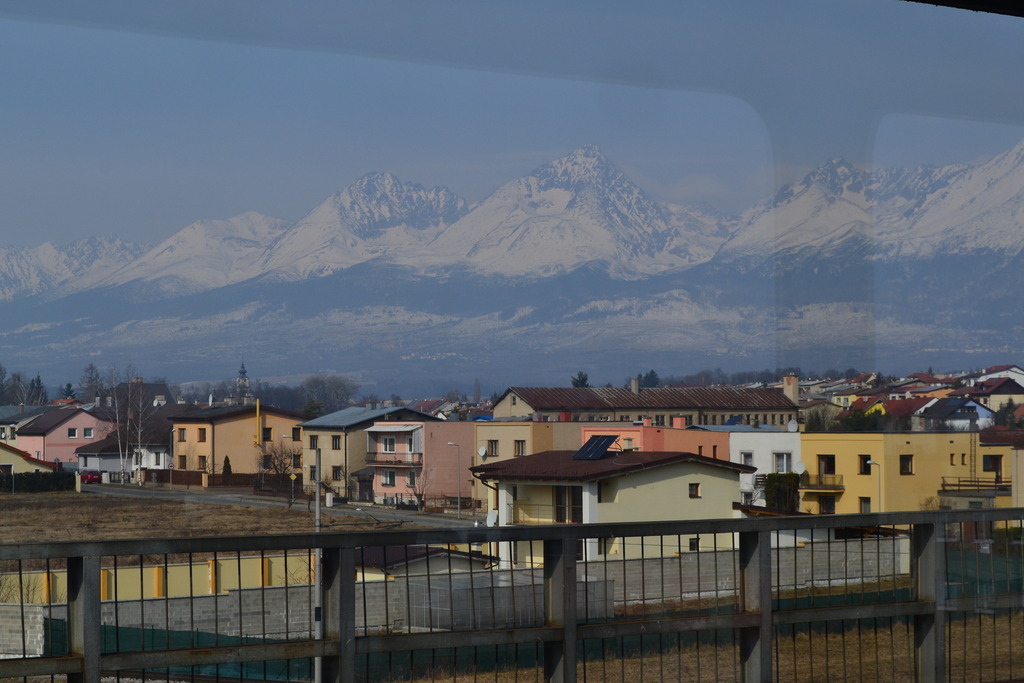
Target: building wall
x=934 y=455
x=763 y=445
x=239 y=437
x=57 y=445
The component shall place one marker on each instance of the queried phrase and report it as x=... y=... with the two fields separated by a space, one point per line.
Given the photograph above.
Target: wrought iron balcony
x=822 y=482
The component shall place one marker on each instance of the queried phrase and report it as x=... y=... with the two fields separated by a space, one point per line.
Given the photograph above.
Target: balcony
x=530 y=513
x=821 y=482
x=395 y=459
x=995 y=483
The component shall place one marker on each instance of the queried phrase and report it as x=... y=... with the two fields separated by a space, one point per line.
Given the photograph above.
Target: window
x=312 y=472
x=182 y=462
x=410 y=479
x=747 y=458
x=492 y=448
x=865 y=464
x=865 y=505
x=694 y=544
x=336 y=442
x=747 y=497
x=659 y=420
x=409 y=444
x=387 y=478
x=826 y=464
x=513 y=399
x=72 y=433
x=3 y=432
x=694 y=490
x=906 y=464
x=783 y=463
x=336 y=472
x=314 y=441
x=387 y=445
x=202 y=434
x=86 y=432
x=297 y=463
x=826 y=505
x=952 y=459
x=268 y=433
x=181 y=433
x=568 y=504
x=202 y=463
x=519 y=447
x=296 y=434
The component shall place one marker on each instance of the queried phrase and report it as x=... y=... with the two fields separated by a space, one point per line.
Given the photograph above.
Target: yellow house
x=252 y=436
x=854 y=472
x=16 y=461
x=599 y=485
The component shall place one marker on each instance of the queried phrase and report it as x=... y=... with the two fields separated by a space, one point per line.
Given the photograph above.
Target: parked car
x=91 y=476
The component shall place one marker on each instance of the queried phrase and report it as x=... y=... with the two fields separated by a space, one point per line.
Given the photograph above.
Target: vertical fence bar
x=929 y=576
x=560 y=609
x=84 y=619
x=756 y=596
x=338 y=615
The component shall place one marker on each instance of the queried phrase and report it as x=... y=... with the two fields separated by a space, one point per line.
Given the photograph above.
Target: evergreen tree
x=67 y=391
x=581 y=380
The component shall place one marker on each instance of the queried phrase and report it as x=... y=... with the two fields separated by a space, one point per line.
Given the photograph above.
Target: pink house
x=54 y=435
x=427 y=462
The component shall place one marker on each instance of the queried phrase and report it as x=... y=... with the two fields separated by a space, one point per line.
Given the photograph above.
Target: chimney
x=678 y=422
x=791 y=388
x=634 y=385
x=648 y=422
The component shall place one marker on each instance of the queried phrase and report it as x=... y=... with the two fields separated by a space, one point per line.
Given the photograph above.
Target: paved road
x=244 y=497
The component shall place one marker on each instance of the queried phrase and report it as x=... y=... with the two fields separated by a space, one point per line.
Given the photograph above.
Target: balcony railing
x=530 y=513
x=395 y=459
x=902 y=596
x=822 y=482
x=993 y=483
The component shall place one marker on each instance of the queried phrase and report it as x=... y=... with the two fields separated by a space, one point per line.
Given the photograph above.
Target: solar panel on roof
x=734 y=420
x=596 y=447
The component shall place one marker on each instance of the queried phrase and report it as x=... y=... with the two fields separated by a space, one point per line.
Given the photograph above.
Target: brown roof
x=621 y=398
x=561 y=465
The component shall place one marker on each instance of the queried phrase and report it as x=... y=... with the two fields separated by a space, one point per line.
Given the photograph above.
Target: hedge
x=37 y=482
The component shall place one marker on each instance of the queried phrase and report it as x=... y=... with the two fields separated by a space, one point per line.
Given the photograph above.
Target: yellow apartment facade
x=247 y=434
x=855 y=472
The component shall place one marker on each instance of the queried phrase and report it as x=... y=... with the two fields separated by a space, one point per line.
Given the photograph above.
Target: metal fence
x=922 y=596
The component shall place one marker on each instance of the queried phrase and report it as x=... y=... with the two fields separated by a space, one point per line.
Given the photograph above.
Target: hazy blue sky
x=136 y=119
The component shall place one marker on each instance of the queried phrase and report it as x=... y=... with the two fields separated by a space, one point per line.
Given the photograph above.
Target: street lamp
x=879 y=466
x=458 y=472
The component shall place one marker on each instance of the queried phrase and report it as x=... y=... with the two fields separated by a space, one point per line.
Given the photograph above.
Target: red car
x=91 y=476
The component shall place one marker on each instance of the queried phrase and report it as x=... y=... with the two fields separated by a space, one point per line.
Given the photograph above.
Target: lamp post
x=879 y=466
x=458 y=472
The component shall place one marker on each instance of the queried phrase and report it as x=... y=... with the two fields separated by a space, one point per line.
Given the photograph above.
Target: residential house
x=893 y=471
x=14 y=417
x=953 y=413
x=1013 y=439
x=256 y=438
x=54 y=435
x=1014 y=372
x=382 y=563
x=341 y=440
x=993 y=393
x=594 y=484
x=419 y=462
x=16 y=461
x=695 y=405
x=137 y=447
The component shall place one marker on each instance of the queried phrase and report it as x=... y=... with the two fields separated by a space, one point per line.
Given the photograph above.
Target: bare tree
x=279 y=463
x=331 y=391
x=421 y=485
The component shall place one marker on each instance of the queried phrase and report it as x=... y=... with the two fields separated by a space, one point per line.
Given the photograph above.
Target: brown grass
x=70 y=516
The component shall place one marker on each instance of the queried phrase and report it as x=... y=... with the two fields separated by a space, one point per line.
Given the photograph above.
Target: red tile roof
x=621 y=398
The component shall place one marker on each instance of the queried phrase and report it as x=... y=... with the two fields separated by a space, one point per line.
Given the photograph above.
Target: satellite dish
x=793 y=426
x=492 y=518
x=482 y=452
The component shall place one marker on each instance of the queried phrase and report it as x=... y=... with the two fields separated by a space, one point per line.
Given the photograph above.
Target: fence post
x=84 y=618
x=928 y=564
x=338 y=613
x=756 y=597
x=560 y=609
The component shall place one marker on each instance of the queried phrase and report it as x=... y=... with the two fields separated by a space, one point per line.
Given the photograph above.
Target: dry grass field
x=70 y=516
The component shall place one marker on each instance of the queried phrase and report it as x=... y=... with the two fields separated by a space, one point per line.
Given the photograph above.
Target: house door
x=366 y=490
x=568 y=504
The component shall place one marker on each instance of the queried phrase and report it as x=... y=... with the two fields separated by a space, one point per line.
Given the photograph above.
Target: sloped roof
x=217 y=413
x=997 y=435
x=356 y=415
x=19 y=413
x=665 y=398
x=386 y=557
x=560 y=465
x=949 y=407
x=905 y=406
x=988 y=387
x=17 y=452
x=48 y=421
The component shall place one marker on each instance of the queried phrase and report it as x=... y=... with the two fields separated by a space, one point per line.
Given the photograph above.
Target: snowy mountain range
x=571 y=265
